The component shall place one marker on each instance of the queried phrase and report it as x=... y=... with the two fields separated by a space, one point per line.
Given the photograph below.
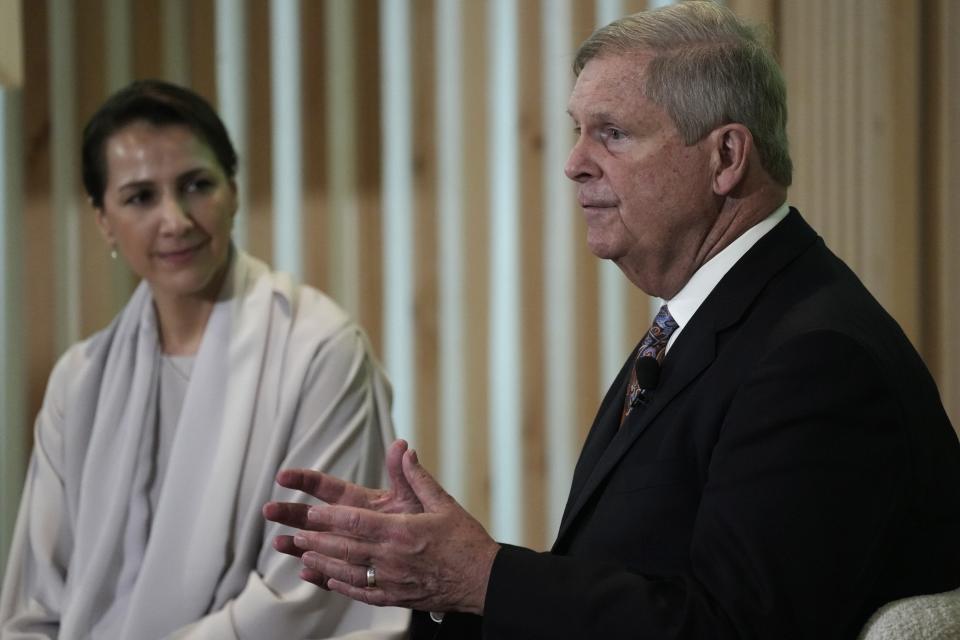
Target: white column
x=449 y=82
x=560 y=219
x=506 y=432
x=344 y=246
x=398 y=241
x=285 y=94
x=13 y=427
x=63 y=168
x=614 y=323
x=231 y=34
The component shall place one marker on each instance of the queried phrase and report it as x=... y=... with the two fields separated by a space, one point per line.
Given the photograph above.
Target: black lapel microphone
x=647 y=371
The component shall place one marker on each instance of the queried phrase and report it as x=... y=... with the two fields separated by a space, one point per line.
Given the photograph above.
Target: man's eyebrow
x=595 y=116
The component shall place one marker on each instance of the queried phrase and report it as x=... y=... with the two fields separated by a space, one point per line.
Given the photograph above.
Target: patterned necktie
x=653 y=345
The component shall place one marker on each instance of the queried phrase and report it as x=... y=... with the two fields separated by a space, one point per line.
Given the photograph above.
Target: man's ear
x=732 y=146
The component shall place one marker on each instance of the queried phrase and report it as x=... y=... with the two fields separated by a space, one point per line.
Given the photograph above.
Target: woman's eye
x=139 y=198
x=198 y=185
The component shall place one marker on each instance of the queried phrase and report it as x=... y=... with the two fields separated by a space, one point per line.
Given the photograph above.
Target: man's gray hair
x=709 y=68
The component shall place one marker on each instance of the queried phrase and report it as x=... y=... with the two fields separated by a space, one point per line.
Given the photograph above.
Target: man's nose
x=580 y=167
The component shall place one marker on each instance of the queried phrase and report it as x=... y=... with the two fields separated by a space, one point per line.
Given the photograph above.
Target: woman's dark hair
x=159 y=103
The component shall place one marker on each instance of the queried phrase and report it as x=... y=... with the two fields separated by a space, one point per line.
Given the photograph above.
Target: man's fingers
x=428 y=491
x=376 y=597
x=335 y=569
x=285 y=544
x=319 y=485
x=315 y=577
x=291 y=514
x=398 y=482
x=349 y=521
x=349 y=550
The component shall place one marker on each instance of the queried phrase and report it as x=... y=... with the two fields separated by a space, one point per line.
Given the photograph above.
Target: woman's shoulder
x=307 y=308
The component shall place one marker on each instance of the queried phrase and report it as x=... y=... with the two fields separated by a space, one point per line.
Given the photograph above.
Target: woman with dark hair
x=159 y=436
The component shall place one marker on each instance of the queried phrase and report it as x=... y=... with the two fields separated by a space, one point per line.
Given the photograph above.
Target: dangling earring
x=113 y=252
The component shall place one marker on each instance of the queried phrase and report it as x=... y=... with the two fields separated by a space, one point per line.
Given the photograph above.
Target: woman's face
x=168 y=208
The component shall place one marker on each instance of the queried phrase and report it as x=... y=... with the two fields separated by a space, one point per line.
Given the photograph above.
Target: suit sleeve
x=801 y=502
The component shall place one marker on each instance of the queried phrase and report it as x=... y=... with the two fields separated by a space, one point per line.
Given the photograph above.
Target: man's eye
x=612 y=133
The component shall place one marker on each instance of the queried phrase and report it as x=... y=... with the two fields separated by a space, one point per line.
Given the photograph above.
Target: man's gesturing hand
x=428 y=553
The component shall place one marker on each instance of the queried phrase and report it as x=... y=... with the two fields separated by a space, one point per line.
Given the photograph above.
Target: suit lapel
x=693 y=351
x=680 y=368
x=604 y=428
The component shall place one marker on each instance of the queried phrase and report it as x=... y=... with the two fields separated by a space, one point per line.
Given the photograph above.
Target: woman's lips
x=179 y=256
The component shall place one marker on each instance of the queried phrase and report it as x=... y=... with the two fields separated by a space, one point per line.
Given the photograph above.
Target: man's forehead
x=600 y=94
x=608 y=78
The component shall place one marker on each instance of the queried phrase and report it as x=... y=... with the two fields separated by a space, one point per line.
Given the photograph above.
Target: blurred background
x=405 y=156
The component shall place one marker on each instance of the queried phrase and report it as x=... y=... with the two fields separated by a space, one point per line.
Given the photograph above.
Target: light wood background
x=406 y=157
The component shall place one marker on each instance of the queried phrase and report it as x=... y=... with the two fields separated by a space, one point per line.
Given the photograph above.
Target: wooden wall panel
x=874 y=143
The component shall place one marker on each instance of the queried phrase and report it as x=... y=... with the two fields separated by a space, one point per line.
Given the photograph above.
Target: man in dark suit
x=773 y=461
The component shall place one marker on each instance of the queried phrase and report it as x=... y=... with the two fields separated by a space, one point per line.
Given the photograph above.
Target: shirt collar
x=683 y=305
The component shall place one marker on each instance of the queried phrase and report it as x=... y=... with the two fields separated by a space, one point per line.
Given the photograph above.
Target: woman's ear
x=732 y=145
x=104 y=225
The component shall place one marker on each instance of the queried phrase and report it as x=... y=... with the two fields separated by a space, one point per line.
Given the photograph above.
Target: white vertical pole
x=613 y=302
x=13 y=428
x=287 y=152
x=449 y=57
x=231 y=34
x=343 y=245
x=506 y=441
x=398 y=242
x=63 y=162
x=560 y=218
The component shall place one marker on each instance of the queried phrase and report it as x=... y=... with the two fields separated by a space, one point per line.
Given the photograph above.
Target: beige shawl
x=282 y=378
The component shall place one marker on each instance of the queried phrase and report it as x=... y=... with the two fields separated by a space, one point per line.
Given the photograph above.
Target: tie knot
x=654 y=344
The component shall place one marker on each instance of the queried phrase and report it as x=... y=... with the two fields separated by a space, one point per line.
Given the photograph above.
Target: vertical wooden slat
x=316 y=136
x=366 y=65
x=940 y=168
x=63 y=129
x=477 y=199
x=118 y=17
x=13 y=430
x=102 y=280
x=174 y=33
x=343 y=253
x=201 y=43
x=148 y=45
x=38 y=222
x=534 y=233
x=424 y=221
x=117 y=69
x=260 y=144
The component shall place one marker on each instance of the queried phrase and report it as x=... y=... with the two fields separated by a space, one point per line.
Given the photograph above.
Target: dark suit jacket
x=793 y=471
